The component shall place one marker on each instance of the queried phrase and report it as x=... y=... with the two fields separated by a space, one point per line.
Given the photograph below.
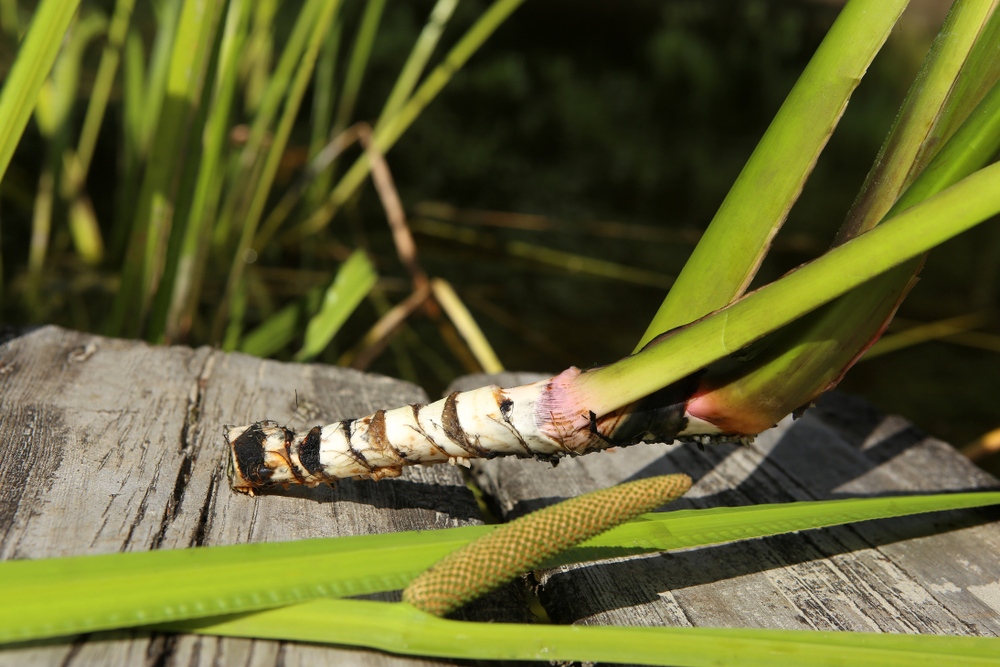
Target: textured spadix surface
x=526 y=543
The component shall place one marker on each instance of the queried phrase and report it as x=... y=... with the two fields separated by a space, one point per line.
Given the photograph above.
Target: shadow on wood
x=109 y=445
x=933 y=573
x=112 y=445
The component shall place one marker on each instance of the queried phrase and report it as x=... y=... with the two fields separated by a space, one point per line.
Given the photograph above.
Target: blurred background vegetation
x=558 y=182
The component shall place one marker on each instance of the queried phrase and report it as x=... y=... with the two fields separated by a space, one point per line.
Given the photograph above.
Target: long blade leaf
x=727 y=257
x=353 y=282
x=262 y=186
x=812 y=354
x=62 y=596
x=967 y=203
x=399 y=628
x=933 y=105
x=394 y=127
x=414 y=66
x=34 y=60
x=143 y=265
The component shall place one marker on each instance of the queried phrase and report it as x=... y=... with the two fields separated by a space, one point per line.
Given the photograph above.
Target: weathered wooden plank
x=928 y=574
x=112 y=445
x=109 y=445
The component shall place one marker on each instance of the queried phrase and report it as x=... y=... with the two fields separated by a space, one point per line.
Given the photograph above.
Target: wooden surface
x=933 y=573
x=109 y=445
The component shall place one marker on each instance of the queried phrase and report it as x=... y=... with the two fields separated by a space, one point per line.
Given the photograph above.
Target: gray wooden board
x=109 y=445
x=932 y=573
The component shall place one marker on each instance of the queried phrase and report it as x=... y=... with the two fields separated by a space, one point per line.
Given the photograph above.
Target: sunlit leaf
x=353 y=282
x=62 y=596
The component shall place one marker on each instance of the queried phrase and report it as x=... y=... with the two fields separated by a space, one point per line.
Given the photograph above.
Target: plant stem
x=913 y=232
x=103 y=83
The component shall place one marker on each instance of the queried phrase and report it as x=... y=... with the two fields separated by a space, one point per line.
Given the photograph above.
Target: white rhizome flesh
x=527 y=421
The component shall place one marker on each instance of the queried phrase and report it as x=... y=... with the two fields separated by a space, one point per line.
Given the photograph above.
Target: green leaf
x=980 y=70
x=27 y=75
x=794 y=365
x=260 y=187
x=62 y=596
x=933 y=107
x=358 y=62
x=193 y=255
x=353 y=282
x=398 y=124
x=324 y=96
x=103 y=82
x=399 y=628
x=971 y=146
x=144 y=262
x=9 y=20
x=57 y=96
x=967 y=203
x=274 y=333
x=133 y=95
x=727 y=257
x=417 y=60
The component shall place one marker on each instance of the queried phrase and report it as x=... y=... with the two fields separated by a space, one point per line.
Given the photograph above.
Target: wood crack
x=195 y=402
x=205 y=515
x=74 y=650
x=140 y=514
x=188 y=447
x=176 y=498
x=161 y=649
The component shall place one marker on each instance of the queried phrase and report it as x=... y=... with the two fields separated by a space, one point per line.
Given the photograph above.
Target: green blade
x=694 y=528
x=193 y=256
x=399 y=628
x=58 y=95
x=261 y=186
x=143 y=267
x=727 y=257
x=353 y=282
x=34 y=60
x=81 y=594
x=103 y=82
x=63 y=596
x=794 y=365
x=947 y=88
x=274 y=333
x=967 y=203
x=358 y=63
x=394 y=127
x=417 y=60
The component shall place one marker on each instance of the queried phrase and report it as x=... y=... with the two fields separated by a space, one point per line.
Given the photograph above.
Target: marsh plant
x=716 y=361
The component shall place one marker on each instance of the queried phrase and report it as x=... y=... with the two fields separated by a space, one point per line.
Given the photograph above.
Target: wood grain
x=109 y=445
x=935 y=573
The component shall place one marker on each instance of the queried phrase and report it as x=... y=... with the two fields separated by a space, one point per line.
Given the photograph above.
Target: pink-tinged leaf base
x=808 y=360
